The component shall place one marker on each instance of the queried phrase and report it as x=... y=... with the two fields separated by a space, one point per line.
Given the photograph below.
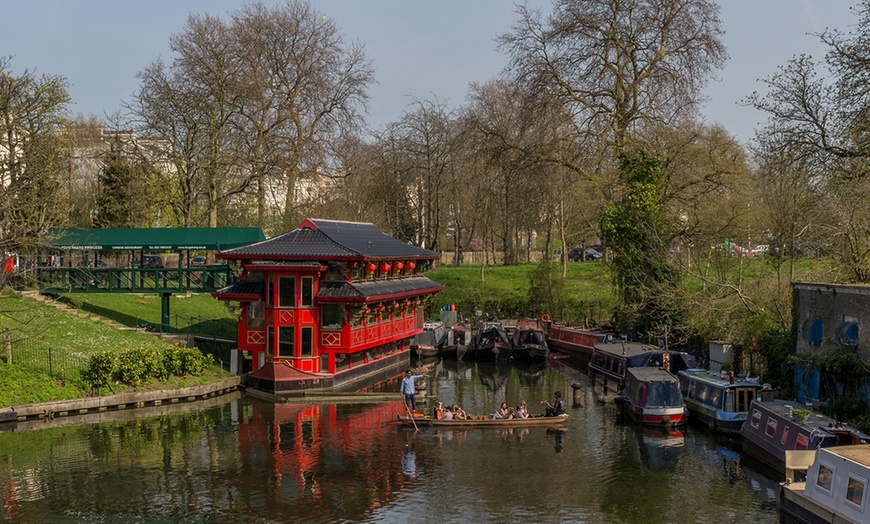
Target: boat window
x=756 y=418
x=771 y=427
x=286 y=336
x=672 y=395
x=801 y=442
x=855 y=491
x=646 y=396
x=286 y=291
x=307 y=291
x=825 y=478
x=306 y=342
x=256 y=314
x=333 y=316
x=745 y=396
x=715 y=396
x=784 y=435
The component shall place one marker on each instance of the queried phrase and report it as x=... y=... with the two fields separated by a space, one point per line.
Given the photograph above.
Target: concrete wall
x=828 y=314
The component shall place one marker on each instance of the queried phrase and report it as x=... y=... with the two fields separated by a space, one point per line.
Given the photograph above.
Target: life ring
x=545 y=318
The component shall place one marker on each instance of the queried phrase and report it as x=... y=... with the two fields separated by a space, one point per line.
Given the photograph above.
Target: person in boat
x=459 y=413
x=502 y=412
x=556 y=408
x=448 y=414
x=409 y=389
x=522 y=411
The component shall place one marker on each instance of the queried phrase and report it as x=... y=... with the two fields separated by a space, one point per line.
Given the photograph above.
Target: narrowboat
x=774 y=426
x=652 y=397
x=430 y=341
x=577 y=343
x=713 y=399
x=491 y=343
x=528 y=343
x=833 y=490
x=460 y=338
x=611 y=360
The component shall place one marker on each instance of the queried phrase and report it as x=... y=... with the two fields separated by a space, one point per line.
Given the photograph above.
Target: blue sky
x=422 y=49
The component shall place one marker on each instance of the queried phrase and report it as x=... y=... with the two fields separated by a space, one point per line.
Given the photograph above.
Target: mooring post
x=8 y=346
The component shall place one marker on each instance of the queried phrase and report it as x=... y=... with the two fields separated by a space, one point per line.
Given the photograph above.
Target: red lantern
x=411 y=266
x=367 y=311
x=371 y=267
x=408 y=304
x=398 y=266
x=385 y=268
x=382 y=308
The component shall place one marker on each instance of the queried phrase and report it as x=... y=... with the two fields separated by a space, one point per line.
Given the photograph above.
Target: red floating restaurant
x=328 y=305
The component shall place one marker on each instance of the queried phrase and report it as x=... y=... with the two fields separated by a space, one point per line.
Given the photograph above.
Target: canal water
x=246 y=460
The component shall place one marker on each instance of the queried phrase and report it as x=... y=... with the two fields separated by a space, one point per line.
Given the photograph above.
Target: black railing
x=61 y=365
x=132 y=280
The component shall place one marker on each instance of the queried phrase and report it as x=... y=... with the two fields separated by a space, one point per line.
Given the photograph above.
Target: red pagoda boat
x=327 y=305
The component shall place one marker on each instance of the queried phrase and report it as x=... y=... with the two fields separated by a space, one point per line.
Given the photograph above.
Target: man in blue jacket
x=409 y=390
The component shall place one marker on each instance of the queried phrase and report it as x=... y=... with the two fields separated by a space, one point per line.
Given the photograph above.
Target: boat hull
x=482 y=422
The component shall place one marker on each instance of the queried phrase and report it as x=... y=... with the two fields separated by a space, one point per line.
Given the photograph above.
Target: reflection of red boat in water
x=301 y=445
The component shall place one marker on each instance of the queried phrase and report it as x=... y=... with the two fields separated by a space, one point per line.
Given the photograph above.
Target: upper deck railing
x=133 y=280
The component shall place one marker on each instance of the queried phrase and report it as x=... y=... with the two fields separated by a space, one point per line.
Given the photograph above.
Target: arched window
x=847 y=334
x=813 y=331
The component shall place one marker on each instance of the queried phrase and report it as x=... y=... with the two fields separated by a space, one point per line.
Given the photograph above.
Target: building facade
x=827 y=315
x=327 y=304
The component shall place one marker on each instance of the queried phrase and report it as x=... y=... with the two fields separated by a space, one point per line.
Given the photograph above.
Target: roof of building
x=151 y=239
x=331 y=239
x=381 y=289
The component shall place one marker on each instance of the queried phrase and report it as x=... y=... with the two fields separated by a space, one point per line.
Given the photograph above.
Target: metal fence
x=59 y=364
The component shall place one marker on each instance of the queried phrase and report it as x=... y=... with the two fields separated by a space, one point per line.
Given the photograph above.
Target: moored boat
x=528 y=343
x=430 y=341
x=491 y=342
x=774 y=426
x=835 y=488
x=460 y=337
x=652 y=397
x=576 y=342
x=712 y=398
x=610 y=360
x=482 y=421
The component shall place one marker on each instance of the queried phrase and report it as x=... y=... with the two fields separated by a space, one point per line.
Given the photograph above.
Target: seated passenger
x=448 y=414
x=557 y=407
x=459 y=413
x=522 y=411
x=502 y=411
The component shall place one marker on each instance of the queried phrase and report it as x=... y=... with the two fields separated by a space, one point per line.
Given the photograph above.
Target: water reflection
x=246 y=460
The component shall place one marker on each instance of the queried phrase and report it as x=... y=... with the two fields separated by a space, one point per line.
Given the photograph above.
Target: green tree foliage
x=34 y=156
x=128 y=192
x=636 y=228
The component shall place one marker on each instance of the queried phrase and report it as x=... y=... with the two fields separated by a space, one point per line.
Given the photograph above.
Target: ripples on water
x=249 y=461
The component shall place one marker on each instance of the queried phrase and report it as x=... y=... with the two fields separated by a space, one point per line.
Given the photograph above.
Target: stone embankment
x=119 y=402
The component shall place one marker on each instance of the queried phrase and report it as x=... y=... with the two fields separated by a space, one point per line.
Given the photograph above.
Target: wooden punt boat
x=481 y=421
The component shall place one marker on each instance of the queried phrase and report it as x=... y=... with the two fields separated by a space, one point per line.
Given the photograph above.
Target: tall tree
x=619 y=64
x=34 y=157
x=257 y=101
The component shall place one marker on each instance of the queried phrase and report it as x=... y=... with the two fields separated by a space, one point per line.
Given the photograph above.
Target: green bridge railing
x=133 y=280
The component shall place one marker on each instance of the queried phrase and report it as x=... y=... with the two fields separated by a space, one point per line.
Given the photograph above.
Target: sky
x=426 y=50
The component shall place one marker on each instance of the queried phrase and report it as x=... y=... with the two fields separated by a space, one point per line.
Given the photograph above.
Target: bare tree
x=619 y=64
x=259 y=100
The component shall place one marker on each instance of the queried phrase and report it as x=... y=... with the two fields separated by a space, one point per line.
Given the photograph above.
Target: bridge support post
x=164 y=312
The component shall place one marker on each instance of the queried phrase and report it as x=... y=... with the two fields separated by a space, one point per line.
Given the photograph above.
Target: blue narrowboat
x=716 y=400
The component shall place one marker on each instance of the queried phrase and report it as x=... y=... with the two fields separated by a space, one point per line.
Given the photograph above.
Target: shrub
x=100 y=368
x=136 y=365
x=180 y=361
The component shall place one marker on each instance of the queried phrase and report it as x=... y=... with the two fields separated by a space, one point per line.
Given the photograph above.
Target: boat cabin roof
x=719 y=379
x=859 y=453
x=625 y=349
x=650 y=374
x=815 y=421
